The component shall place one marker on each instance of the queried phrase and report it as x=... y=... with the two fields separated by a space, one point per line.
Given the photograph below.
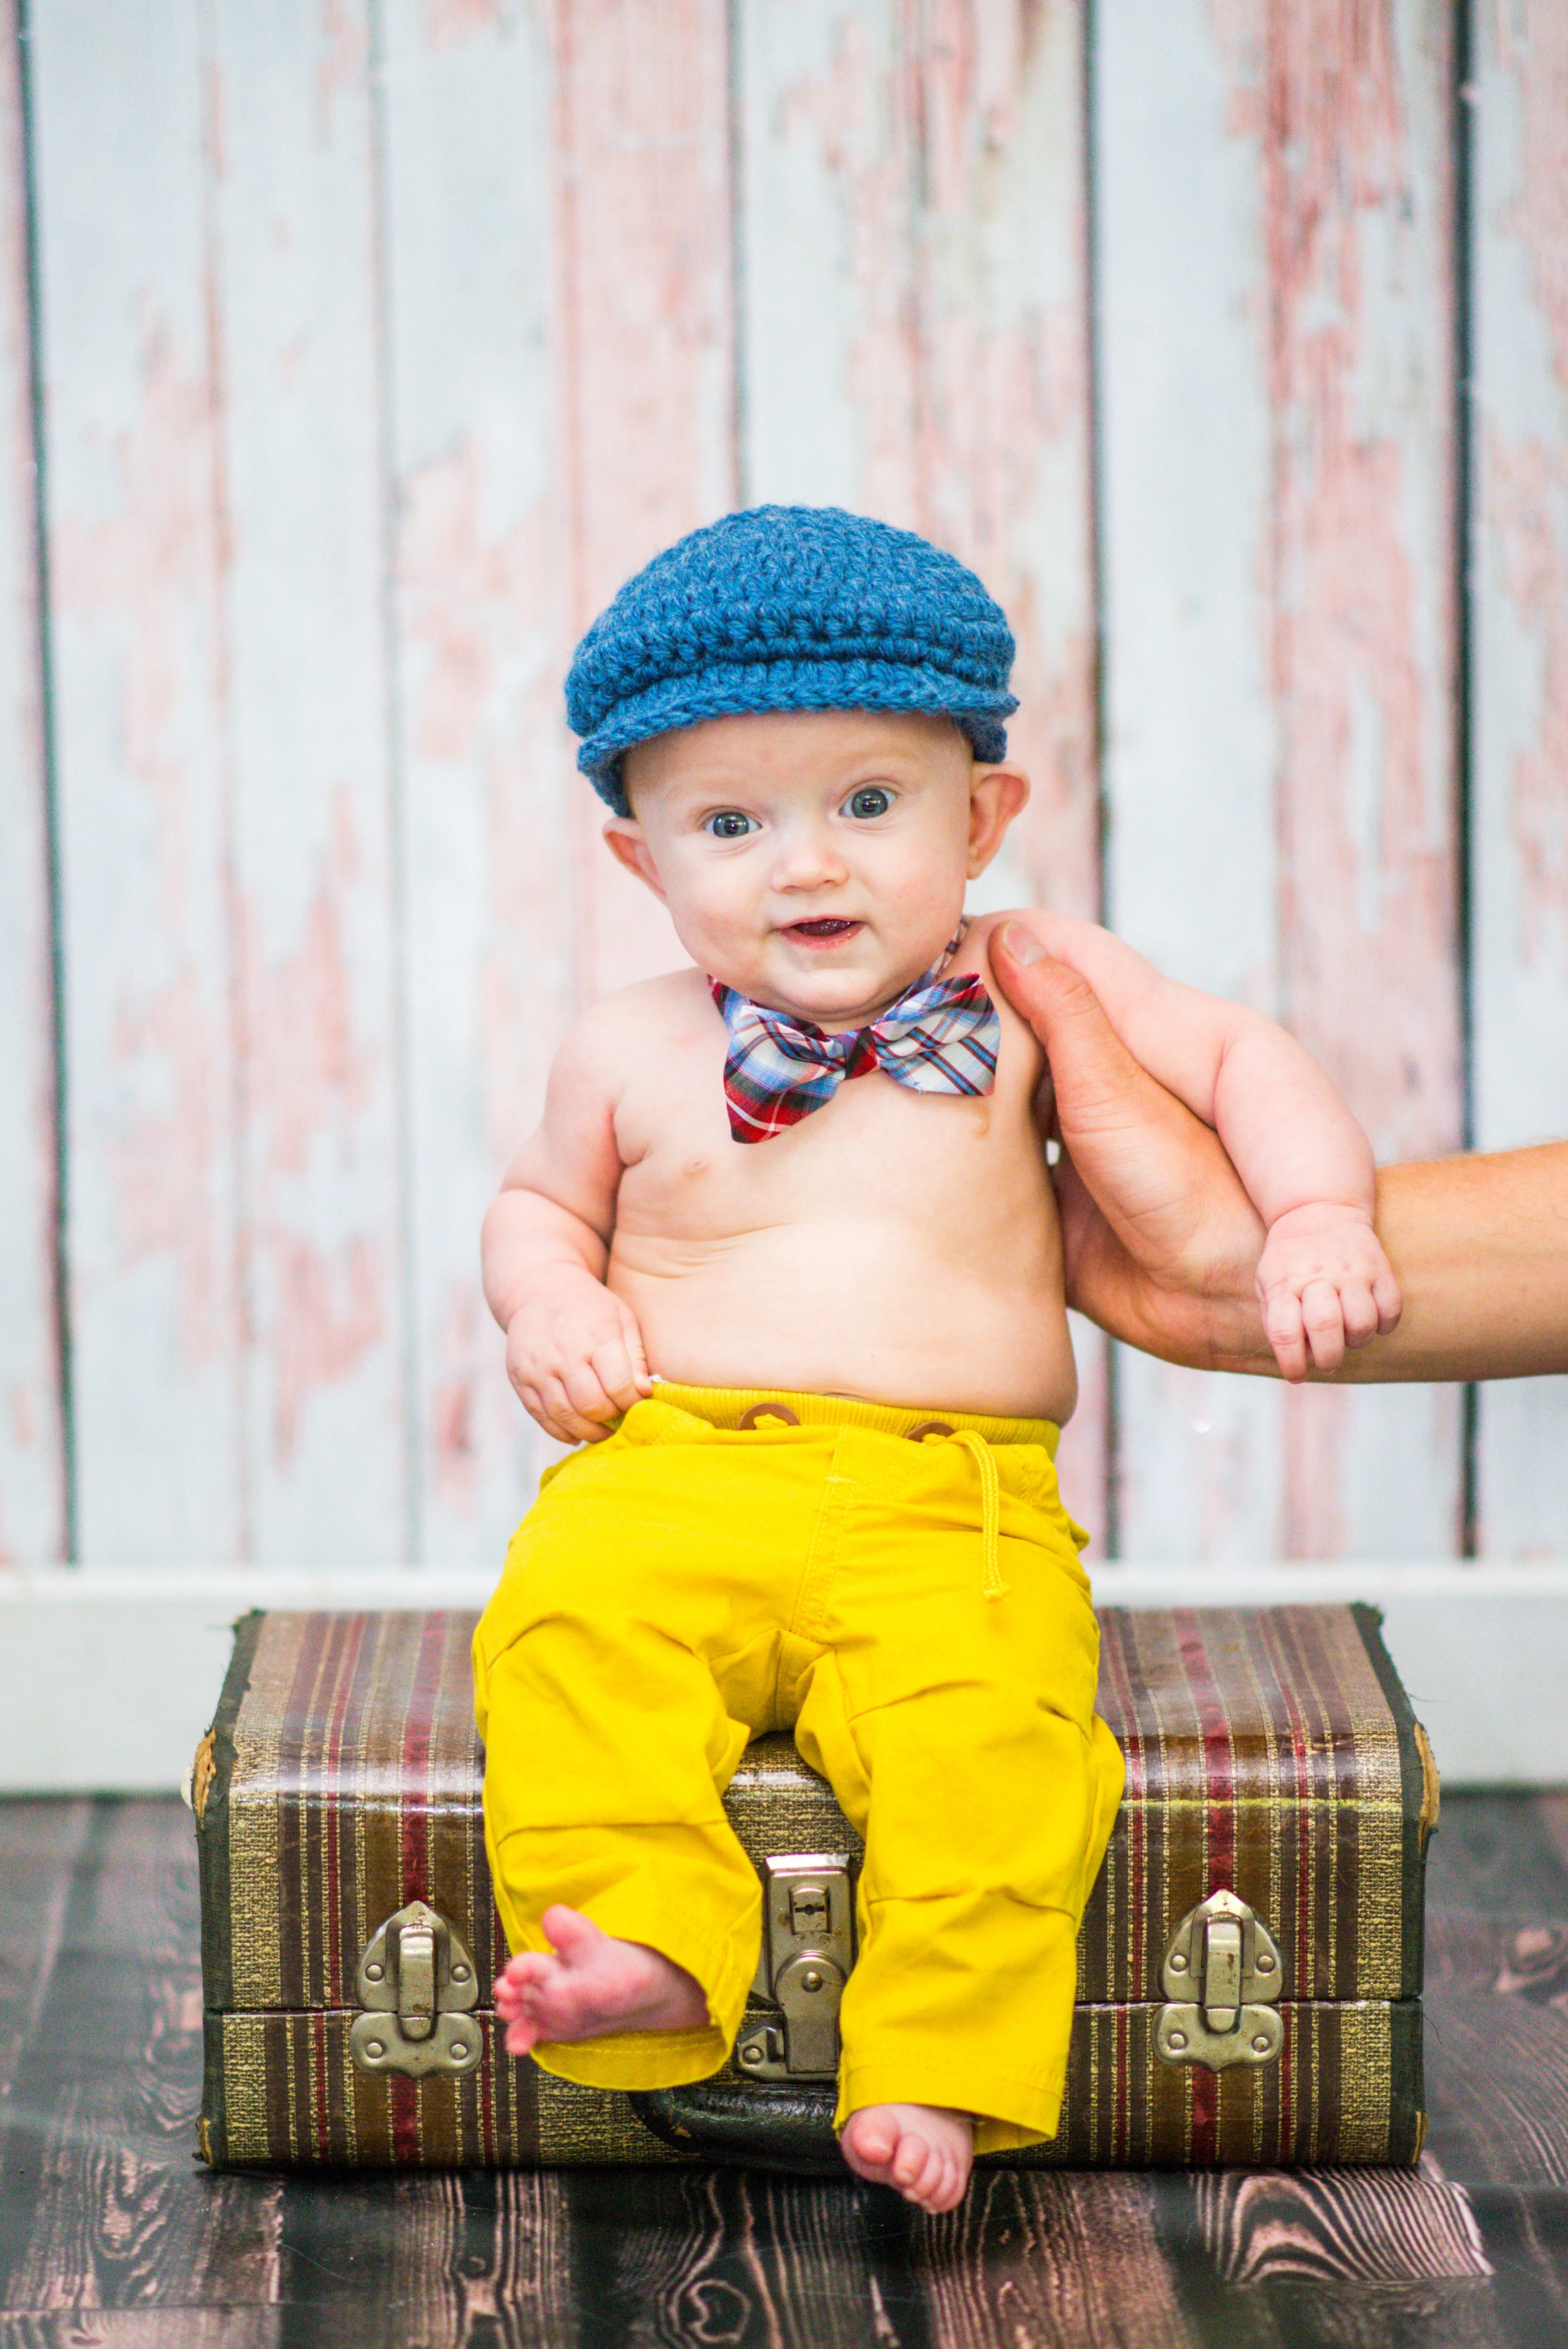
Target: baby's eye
x=729 y=824
x=869 y=801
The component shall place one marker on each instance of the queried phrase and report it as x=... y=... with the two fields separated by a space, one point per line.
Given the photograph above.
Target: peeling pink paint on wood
x=139 y=574
x=1359 y=279
x=1369 y=900
x=345 y=50
x=32 y=1462
x=451 y=22
x=310 y=1075
x=481 y=619
x=327 y=1314
x=1519 y=736
x=646 y=403
x=141 y=570
x=1525 y=481
x=1527 y=513
x=163 y=1164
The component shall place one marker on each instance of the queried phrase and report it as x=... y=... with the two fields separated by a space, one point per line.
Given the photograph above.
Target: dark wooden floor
x=110 y=2232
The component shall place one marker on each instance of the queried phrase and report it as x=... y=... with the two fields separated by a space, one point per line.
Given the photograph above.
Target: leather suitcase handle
x=742 y=2124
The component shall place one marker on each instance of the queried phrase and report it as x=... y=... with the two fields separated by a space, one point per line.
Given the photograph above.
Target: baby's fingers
x=1389 y=1303
x=1324 y=1319
x=1359 y=1312
x=561 y=1418
x=1282 y=1327
x=618 y=1375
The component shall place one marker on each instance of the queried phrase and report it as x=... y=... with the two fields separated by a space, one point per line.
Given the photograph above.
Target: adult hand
x=1162 y=1243
x=1161 y=1240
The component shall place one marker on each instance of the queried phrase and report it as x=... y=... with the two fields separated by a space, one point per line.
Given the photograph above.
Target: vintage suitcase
x=1250 y=1967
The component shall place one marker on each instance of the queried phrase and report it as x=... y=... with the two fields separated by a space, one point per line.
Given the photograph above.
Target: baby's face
x=814 y=859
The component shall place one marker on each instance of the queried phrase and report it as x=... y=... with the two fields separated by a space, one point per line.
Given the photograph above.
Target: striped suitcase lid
x=1270 y=1752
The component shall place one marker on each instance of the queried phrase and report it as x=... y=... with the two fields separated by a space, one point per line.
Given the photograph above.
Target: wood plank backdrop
x=360 y=347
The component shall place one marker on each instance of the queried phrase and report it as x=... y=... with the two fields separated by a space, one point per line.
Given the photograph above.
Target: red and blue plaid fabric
x=940 y=1037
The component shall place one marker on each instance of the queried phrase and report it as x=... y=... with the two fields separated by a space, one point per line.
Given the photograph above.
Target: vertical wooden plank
x=1519 y=835
x=560 y=273
x=32 y=1448
x=215 y=504
x=645 y=350
x=137 y=559
x=305 y=690
x=488 y=787
x=915 y=344
x=1276 y=306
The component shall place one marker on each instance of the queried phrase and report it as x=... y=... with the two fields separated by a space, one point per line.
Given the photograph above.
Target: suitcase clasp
x=808 y=1948
x=416 y=1986
x=1224 y=1952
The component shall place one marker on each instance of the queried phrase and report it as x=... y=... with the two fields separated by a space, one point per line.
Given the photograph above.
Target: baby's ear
x=996 y=794
x=627 y=844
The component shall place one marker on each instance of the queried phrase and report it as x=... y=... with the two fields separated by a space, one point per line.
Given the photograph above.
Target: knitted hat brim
x=749 y=687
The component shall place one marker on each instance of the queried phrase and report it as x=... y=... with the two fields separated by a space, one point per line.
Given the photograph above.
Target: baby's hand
x=1323 y=1283
x=575 y=1354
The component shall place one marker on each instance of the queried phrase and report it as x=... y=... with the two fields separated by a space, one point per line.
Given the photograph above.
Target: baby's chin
x=833 y=997
x=835 y=980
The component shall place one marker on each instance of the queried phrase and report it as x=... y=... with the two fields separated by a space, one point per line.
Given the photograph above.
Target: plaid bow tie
x=940 y=1037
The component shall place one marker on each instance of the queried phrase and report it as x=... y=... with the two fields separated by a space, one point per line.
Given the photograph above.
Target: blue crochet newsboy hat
x=789 y=608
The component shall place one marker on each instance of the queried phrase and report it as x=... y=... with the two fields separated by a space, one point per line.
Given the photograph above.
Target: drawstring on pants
x=991 y=1582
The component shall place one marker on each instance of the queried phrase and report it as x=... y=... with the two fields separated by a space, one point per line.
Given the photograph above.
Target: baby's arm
x=1324 y=1281
x=574 y=1350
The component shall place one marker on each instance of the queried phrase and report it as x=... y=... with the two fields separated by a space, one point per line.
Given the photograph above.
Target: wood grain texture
x=97 y=2210
x=736 y=2257
x=1275 y=297
x=1353 y=2226
x=110 y=2234
x=1031 y=2259
x=1518 y=264
x=487 y=786
x=42 y=1842
x=914 y=344
x=32 y=1448
x=1498 y=2009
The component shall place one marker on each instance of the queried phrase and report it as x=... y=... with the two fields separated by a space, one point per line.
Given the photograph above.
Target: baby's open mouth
x=828 y=931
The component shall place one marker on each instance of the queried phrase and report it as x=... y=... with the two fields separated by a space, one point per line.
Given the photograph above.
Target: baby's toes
x=914 y=2165
x=947 y=2190
x=522 y=2036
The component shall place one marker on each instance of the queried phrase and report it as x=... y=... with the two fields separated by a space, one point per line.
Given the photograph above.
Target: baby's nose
x=806 y=857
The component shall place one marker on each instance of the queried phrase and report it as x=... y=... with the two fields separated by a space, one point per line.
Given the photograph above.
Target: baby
x=783 y=1258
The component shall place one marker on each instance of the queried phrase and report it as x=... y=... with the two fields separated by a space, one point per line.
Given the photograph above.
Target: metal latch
x=416 y=1986
x=808 y=1948
x=1224 y=1953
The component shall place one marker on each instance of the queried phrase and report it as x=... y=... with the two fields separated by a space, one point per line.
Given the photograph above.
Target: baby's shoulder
x=625 y=1030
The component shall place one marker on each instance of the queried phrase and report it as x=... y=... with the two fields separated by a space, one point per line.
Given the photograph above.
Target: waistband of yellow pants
x=743 y=1408
x=727 y=1407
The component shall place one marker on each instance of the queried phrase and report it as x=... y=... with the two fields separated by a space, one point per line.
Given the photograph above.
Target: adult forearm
x=1479 y=1246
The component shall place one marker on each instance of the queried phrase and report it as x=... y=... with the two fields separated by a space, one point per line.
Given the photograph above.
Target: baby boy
x=783 y=1260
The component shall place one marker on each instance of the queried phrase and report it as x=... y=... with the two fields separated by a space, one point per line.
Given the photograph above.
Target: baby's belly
x=841 y=1307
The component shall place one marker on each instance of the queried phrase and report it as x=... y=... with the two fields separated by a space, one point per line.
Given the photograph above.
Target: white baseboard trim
x=108 y=1677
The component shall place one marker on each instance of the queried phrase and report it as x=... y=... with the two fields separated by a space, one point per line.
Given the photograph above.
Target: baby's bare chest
x=877 y=1151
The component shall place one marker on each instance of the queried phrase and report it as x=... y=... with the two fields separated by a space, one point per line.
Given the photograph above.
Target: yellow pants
x=916 y=1612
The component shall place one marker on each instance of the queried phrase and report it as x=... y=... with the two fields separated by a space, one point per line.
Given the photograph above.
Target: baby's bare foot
x=925 y=2150
x=587 y=1984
